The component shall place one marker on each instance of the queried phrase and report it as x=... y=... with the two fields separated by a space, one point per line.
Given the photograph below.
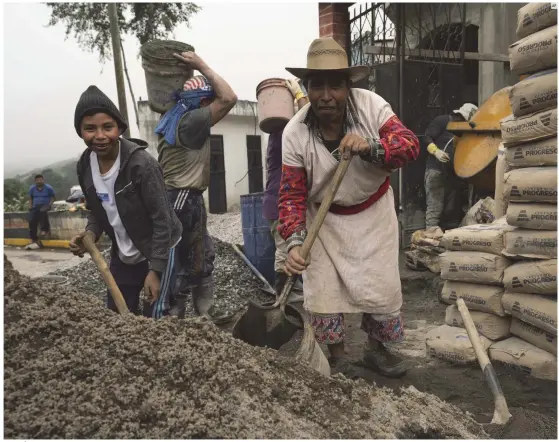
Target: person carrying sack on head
x=353 y=265
x=441 y=184
x=184 y=155
x=125 y=193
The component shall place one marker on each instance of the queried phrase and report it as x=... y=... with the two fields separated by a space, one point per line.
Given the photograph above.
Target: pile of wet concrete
x=74 y=369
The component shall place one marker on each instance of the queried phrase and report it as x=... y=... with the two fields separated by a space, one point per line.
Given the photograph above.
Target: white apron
x=354 y=260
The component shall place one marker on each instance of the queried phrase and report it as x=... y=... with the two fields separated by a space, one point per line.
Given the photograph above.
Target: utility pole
x=117 y=57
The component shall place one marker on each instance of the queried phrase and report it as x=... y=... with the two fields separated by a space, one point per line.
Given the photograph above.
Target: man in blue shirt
x=41 y=197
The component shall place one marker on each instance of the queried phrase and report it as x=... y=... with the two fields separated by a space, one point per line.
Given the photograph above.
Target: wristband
x=299 y=95
x=432 y=148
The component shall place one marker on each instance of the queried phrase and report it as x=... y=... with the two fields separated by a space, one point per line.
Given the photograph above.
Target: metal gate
x=416 y=52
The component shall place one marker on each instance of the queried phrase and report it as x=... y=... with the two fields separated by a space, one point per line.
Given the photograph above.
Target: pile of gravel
x=234 y=282
x=75 y=370
x=226 y=226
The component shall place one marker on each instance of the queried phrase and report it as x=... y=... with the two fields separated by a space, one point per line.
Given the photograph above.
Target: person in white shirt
x=125 y=193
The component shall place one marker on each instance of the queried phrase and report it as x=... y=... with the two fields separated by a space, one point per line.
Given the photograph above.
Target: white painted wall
x=240 y=122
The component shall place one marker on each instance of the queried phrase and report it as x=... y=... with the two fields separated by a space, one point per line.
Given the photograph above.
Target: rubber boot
x=384 y=362
x=203 y=300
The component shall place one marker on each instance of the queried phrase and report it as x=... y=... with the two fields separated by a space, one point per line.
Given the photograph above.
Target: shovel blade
x=265 y=327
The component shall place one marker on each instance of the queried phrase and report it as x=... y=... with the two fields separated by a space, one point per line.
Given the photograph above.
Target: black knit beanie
x=95 y=100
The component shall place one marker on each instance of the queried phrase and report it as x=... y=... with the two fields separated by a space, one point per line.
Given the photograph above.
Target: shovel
x=273 y=324
x=103 y=268
x=501 y=414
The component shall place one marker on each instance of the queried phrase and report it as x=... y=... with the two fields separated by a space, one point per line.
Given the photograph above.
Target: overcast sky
x=44 y=74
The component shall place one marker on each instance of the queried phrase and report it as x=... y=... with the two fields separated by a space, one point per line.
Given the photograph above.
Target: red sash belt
x=352 y=210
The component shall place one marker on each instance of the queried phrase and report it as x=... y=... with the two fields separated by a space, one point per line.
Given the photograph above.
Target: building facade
x=238 y=154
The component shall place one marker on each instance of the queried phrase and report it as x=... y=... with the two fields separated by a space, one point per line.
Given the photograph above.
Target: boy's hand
x=152 y=286
x=76 y=243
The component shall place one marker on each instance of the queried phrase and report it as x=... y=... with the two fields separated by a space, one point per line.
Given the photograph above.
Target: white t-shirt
x=105 y=187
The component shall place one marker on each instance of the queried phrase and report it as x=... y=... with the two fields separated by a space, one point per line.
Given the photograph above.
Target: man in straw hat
x=354 y=265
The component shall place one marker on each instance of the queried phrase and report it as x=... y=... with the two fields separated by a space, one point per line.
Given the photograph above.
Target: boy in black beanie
x=125 y=193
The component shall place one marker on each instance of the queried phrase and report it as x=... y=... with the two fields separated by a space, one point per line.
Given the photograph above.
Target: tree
x=89 y=22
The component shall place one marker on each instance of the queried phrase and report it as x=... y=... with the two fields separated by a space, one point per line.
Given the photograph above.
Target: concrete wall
x=240 y=122
x=64 y=225
x=497 y=31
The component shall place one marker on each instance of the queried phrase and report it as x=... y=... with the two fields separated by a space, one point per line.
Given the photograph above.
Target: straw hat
x=325 y=54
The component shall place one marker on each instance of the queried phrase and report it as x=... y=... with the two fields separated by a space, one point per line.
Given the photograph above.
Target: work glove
x=294 y=88
x=438 y=153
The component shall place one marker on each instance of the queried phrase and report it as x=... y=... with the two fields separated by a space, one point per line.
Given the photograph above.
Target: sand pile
x=73 y=369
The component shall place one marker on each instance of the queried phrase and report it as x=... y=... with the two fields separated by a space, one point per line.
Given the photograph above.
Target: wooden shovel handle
x=312 y=233
x=317 y=223
x=501 y=413
x=103 y=268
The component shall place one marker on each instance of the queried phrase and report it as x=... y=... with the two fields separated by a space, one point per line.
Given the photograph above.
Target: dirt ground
x=463 y=386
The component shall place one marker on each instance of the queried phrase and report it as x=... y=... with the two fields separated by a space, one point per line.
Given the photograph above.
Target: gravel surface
x=226 y=227
x=73 y=369
x=234 y=282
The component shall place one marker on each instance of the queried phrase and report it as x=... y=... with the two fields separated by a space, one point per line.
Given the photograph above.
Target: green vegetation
x=89 y=22
x=61 y=176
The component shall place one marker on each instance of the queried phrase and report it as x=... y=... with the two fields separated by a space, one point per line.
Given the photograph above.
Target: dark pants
x=130 y=280
x=38 y=217
x=195 y=252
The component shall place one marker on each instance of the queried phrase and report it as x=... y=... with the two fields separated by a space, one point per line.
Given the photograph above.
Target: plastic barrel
x=259 y=246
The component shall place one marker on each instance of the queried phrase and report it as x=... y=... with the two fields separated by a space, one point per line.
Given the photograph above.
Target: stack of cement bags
x=505 y=297
x=473 y=269
x=527 y=163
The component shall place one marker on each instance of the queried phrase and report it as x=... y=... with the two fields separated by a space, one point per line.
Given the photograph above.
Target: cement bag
x=538 y=153
x=452 y=344
x=531 y=127
x=535 y=93
x=476 y=238
x=537 y=310
x=533 y=244
x=482 y=212
x=534 y=335
x=535 y=52
x=534 y=277
x=500 y=169
x=525 y=357
x=476 y=267
x=532 y=216
x=534 y=17
x=531 y=184
x=477 y=297
x=488 y=325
